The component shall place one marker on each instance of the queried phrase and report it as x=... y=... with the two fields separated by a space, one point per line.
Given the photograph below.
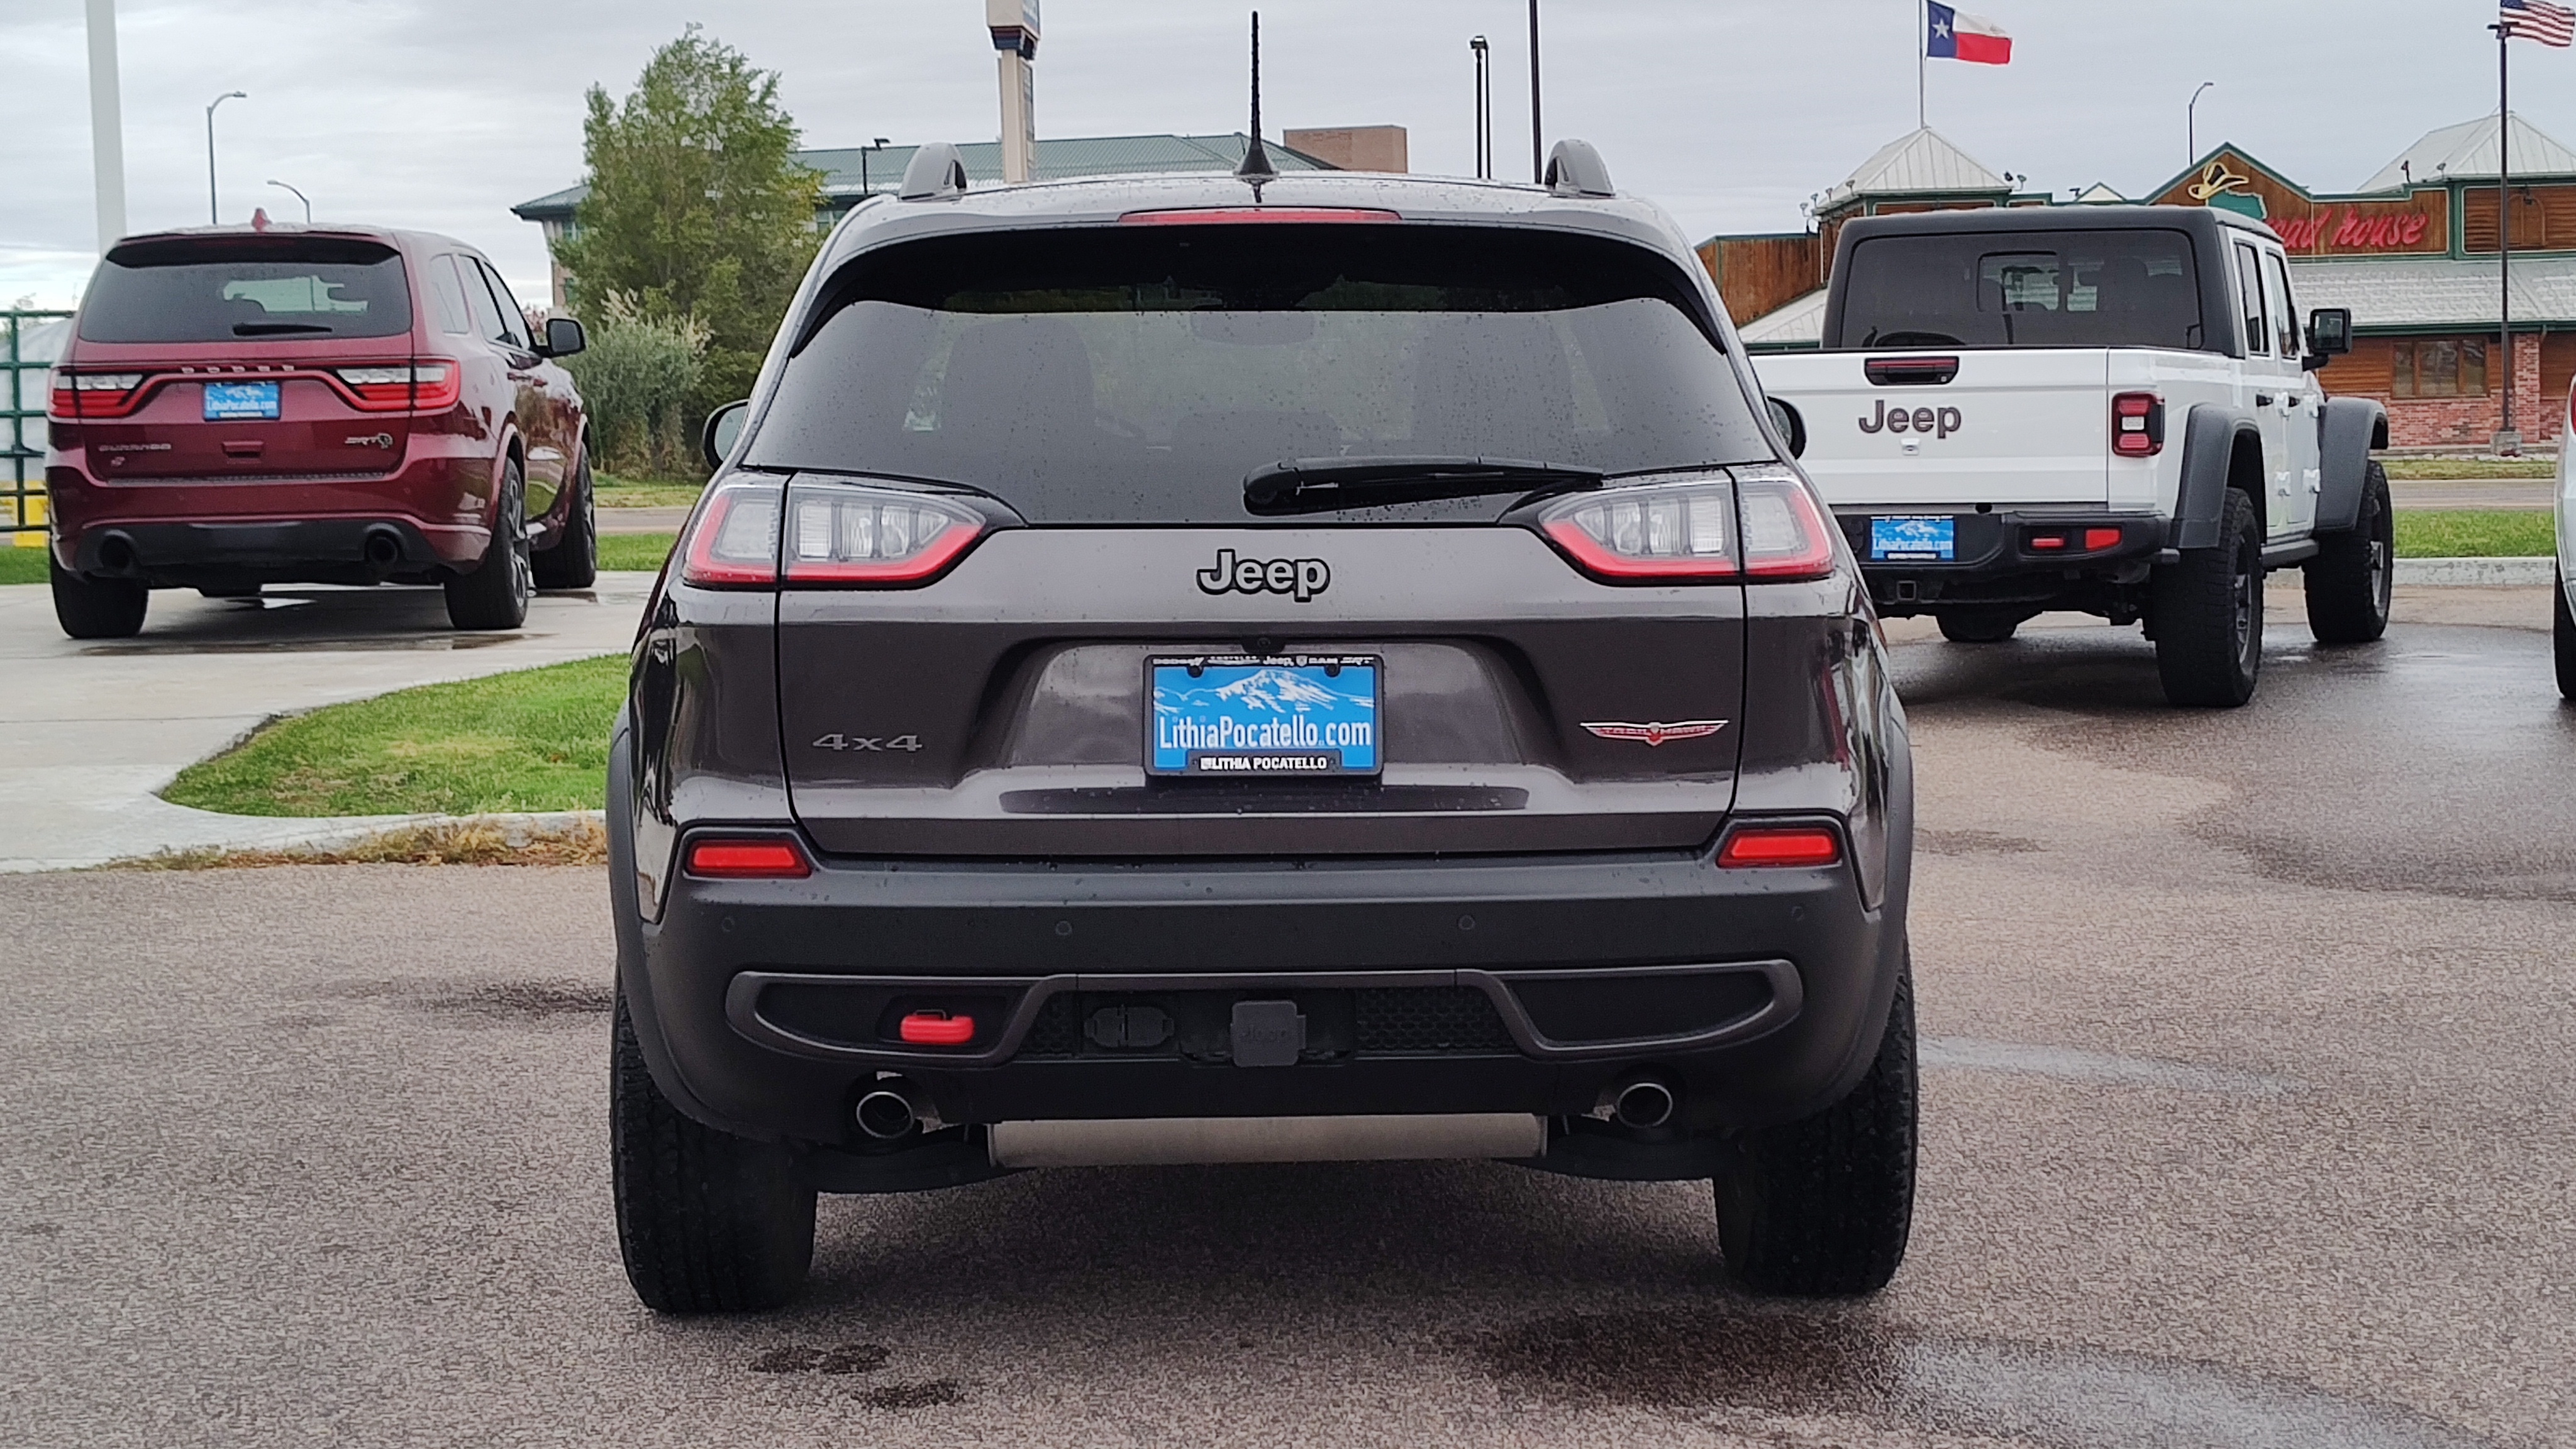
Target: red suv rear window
x=231 y=289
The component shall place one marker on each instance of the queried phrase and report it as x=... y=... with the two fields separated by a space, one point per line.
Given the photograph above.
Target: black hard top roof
x=2194 y=219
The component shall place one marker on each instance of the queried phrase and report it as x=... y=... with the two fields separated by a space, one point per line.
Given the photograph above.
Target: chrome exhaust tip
x=1643 y=1104
x=886 y=1114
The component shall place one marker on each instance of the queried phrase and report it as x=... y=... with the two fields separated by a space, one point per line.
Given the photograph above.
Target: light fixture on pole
x=1538 y=147
x=300 y=196
x=2191 y=122
x=1484 y=109
x=214 y=216
x=863 y=163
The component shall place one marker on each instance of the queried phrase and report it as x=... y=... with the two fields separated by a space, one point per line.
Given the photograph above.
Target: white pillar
x=106 y=123
x=1014 y=27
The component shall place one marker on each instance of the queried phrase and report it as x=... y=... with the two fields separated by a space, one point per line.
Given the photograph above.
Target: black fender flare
x=2347 y=429
x=2208 y=452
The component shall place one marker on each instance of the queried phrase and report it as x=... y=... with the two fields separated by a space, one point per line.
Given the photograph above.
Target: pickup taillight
x=2137 y=424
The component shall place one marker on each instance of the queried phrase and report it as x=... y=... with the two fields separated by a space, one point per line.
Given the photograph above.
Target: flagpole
x=1922 y=45
x=2504 y=215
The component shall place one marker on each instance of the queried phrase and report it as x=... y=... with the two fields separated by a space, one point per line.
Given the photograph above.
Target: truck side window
x=2249 y=286
x=2276 y=296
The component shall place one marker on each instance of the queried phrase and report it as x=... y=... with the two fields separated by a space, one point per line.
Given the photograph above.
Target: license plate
x=1913 y=540
x=235 y=401
x=1237 y=716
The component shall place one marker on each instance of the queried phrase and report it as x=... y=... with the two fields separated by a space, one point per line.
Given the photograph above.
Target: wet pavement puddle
x=1854 y=1367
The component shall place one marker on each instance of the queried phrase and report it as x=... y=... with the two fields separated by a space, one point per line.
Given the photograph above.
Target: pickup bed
x=2112 y=410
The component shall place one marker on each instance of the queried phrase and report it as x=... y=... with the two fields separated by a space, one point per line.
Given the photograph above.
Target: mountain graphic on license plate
x=1235 y=716
x=1913 y=540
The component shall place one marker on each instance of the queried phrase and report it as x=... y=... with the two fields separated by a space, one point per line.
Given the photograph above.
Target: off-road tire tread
x=2563 y=636
x=2343 y=607
x=573 y=561
x=1822 y=1207
x=2194 y=604
x=707 y=1222
x=96 y=608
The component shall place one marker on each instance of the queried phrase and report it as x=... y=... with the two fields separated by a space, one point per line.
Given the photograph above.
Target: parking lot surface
x=2245 y=1116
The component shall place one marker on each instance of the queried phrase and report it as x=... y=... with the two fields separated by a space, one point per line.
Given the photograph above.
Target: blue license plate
x=235 y=401
x=1913 y=540
x=1235 y=716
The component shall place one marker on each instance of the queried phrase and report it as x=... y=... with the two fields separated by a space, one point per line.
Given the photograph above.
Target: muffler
x=1188 y=1141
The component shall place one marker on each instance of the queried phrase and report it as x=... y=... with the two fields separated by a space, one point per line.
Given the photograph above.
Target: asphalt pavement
x=2245 y=1124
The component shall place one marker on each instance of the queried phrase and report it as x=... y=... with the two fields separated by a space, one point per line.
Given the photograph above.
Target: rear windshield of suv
x=1138 y=374
x=2023 y=289
x=232 y=289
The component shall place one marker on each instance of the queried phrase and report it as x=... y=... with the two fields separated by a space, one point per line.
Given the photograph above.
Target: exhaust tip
x=384 y=548
x=116 y=554
x=1643 y=1104
x=886 y=1114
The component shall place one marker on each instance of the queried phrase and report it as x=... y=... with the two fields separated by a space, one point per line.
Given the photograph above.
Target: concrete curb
x=2484 y=573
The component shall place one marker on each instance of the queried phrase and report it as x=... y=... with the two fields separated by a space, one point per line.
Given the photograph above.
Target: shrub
x=639 y=378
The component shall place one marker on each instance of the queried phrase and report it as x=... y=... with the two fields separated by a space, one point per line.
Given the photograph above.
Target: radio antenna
x=1256 y=167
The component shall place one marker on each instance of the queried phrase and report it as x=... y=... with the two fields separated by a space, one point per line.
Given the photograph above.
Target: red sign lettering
x=2356 y=231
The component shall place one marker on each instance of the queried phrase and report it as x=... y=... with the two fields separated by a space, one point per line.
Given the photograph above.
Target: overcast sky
x=442 y=113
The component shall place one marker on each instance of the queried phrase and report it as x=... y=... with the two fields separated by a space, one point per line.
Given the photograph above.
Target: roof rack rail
x=1575 y=169
x=937 y=173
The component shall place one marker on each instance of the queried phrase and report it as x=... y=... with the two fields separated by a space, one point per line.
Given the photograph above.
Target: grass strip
x=636 y=552
x=2474 y=533
x=464 y=843
x=21 y=565
x=532 y=740
x=615 y=492
x=2418 y=469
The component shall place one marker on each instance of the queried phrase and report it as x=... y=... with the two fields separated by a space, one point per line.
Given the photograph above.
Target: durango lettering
x=1939 y=422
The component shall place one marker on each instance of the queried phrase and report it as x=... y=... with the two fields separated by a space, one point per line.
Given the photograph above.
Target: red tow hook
x=936 y=1028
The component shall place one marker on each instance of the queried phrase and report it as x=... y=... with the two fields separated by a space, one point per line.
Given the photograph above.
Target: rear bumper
x=765 y=1007
x=320 y=550
x=1997 y=564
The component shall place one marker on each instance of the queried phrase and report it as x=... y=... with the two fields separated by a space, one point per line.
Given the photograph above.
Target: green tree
x=697 y=208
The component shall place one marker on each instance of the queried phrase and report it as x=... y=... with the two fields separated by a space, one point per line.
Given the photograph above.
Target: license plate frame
x=241 y=402
x=1308 y=713
x=1914 y=538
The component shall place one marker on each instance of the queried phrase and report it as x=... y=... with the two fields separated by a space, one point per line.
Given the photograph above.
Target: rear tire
x=1979 y=626
x=707 y=1222
x=96 y=608
x=2564 y=635
x=573 y=562
x=495 y=595
x=2353 y=575
x=1822 y=1207
x=2209 y=614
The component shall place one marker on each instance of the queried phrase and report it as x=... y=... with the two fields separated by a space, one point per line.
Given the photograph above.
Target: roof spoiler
x=936 y=173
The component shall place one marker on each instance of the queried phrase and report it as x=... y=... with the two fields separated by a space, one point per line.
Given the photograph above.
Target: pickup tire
x=495 y=595
x=2564 y=636
x=707 y=1222
x=96 y=608
x=2208 y=614
x=2350 y=579
x=1822 y=1207
x=1979 y=626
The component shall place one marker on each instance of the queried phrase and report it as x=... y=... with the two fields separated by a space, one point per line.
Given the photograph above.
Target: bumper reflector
x=748 y=860
x=936 y=1028
x=2098 y=539
x=1781 y=845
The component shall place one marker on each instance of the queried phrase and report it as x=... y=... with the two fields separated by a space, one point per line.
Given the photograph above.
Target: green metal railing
x=29 y=343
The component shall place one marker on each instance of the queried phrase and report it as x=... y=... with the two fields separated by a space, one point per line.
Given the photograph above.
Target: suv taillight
x=95 y=394
x=2137 y=424
x=430 y=386
x=1683 y=532
x=733 y=540
x=842 y=535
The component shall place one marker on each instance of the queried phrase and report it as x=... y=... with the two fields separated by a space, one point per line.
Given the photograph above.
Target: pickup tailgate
x=2008 y=426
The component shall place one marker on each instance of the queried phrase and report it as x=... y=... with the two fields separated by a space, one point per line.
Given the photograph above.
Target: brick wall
x=2452 y=422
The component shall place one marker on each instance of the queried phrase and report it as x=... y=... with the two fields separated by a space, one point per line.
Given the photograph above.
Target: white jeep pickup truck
x=2112 y=410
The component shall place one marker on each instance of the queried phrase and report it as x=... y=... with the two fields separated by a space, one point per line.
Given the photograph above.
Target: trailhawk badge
x=1655 y=733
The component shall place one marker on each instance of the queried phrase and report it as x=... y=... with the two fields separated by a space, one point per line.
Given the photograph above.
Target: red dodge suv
x=347 y=405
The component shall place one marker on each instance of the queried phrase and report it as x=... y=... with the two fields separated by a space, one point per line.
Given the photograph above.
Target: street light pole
x=214 y=217
x=1484 y=110
x=106 y=124
x=2191 y=123
x=300 y=196
x=1538 y=161
x=863 y=165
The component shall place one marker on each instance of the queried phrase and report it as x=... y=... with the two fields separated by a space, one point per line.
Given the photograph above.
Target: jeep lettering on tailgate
x=1302 y=578
x=1939 y=422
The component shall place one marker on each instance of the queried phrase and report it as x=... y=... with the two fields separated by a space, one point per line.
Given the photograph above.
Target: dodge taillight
x=852 y=536
x=95 y=394
x=733 y=540
x=430 y=386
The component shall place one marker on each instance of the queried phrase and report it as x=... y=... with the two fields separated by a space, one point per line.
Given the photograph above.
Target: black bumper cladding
x=2005 y=556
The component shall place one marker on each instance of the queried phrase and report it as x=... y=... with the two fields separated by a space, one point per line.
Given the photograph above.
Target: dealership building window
x=2448 y=368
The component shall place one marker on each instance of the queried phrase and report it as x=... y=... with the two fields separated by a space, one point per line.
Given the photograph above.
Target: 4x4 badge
x=1301 y=578
x=1657 y=732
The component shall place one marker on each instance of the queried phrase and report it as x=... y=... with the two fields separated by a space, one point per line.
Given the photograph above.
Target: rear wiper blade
x=1322 y=485
x=271 y=329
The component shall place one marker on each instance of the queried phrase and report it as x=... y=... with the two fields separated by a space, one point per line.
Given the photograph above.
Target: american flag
x=2538 y=20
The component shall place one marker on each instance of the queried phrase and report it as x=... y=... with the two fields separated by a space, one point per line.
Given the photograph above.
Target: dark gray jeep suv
x=1204 y=669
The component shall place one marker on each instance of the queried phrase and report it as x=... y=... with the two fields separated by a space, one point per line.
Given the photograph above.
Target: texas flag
x=1966 y=37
